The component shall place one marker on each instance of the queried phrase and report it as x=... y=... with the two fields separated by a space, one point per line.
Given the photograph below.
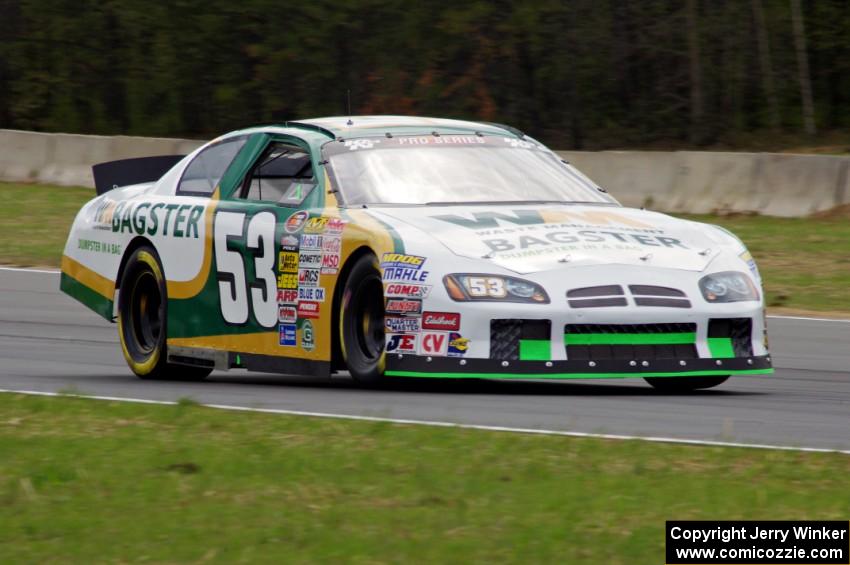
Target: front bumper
x=449 y=367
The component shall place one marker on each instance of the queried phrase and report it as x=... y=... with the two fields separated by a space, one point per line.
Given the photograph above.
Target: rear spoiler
x=131 y=171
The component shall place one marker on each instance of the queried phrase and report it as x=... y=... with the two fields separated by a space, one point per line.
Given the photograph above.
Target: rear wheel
x=685 y=384
x=142 y=316
x=361 y=322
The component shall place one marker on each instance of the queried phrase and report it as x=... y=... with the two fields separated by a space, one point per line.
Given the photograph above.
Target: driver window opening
x=284 y=175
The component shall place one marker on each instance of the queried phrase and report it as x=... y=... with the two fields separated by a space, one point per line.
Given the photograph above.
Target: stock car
x=393 y=246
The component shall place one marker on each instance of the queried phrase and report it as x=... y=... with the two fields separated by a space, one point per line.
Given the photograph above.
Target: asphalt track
x=50 y=343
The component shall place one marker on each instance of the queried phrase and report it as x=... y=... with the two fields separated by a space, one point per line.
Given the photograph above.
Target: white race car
x=405 y=247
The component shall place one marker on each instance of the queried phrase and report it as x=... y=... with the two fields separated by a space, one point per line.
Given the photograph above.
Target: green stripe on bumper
x=75 y=289
x=721 y=347
x=630 y=339
x=573 y=375
x=534 y=350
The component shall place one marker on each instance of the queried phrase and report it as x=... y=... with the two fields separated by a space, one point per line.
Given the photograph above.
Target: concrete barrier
x=66 y=159
x=681 y=181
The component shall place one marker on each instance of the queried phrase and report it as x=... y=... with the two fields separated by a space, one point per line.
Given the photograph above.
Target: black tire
x=685 y=384
x=361 y=322
x=142 y=316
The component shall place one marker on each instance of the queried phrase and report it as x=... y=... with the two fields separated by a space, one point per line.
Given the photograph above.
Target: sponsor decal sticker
x=311 y=241
x=287 y=314
x=308 y=342
x=289 y=243
x=407 y=290
x=441 y=321
x=403 y=306
x=311 y=294
x=307 y=309
x=153 y=219
x=316 y=225
x=310 y=259
x=402 y=343
x=296 y=221
x=289 y=296
x=287 y=262
x=287 y=334
x=330 y=264
x=458 y=345
x=287 y=281
x=434 y=343
x=331 y=244
x=308 y=277
x=401 y=260
x=401 y=325
x=335 y=225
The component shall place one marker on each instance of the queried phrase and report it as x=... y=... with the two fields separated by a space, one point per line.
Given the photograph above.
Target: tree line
x=576 y=74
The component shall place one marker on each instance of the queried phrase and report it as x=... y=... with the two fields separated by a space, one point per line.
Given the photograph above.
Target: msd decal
x=330 y=264
x=441 y=321
x=403 y=306
x=402 y=343
x=436 y=343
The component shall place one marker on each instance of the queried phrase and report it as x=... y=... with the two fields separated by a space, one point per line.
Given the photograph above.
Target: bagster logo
x=440 y=321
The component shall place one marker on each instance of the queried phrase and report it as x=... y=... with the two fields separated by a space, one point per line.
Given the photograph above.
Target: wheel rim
x=145 y=303
x=368 y=316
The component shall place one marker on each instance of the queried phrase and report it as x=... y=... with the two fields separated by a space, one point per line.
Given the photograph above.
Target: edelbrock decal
x=441 y=321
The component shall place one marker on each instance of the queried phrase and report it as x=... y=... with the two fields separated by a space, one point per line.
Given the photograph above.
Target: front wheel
x=142 y=310
x=685 y=384
x=361 y=322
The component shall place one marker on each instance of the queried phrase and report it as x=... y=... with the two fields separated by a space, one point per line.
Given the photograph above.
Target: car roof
x=359 y=126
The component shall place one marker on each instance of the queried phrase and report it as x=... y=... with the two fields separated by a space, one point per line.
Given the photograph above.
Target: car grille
x=520 y=340
x=613 y=295
x=630 y=341
x=730 y=337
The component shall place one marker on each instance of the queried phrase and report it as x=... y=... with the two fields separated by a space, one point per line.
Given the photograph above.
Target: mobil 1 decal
x=246 y=268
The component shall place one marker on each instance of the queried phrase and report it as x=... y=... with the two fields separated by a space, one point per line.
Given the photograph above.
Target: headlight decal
x=483 y=287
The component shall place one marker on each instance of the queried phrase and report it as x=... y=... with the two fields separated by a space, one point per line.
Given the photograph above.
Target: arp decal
x=287 y=335
x=403 y=306
x=402 y=343
x=308 y=277
x=287 y=314
x=444 y=321
x=307 y=309
x=407 y=290
x=289 y=296
x=434 y=343
x=458 y=345
x=296 y=221
x=401 y=325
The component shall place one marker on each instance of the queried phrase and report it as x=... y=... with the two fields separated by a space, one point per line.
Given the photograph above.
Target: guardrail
x=773 y=184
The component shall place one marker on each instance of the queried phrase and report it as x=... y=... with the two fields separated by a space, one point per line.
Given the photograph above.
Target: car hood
x=534 y=238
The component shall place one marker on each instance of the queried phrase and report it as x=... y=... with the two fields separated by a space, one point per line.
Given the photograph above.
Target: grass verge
x=805 y=262
x=92 y=481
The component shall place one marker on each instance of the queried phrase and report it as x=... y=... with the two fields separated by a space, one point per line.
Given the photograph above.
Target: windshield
x=452 y=169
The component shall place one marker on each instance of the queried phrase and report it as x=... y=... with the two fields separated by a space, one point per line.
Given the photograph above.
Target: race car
x=393 y=246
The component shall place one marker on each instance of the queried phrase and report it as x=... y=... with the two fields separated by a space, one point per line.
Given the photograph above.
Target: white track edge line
x=438 y=424
x=29 y=270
